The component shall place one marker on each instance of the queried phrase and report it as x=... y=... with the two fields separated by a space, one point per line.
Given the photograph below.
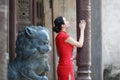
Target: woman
x=65 y=44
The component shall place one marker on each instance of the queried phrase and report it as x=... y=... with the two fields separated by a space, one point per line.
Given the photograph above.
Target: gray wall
x=66 y=8
x=3 y=39
x=108 y=35
x=111 y=32
x=111 y=38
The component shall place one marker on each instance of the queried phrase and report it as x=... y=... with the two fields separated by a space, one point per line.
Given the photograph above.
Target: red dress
x=65 y=67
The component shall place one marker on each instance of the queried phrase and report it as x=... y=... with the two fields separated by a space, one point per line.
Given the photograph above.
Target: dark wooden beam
x=84 y=54
x=12 y=29
x=34 y=12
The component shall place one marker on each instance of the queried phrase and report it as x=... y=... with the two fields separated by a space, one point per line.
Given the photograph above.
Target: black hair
x=58 y=22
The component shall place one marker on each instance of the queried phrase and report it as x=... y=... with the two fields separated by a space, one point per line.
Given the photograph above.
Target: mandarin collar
x=62 y=31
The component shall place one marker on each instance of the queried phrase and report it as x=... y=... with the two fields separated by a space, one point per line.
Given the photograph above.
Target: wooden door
x=29 y=12
x=23 y=13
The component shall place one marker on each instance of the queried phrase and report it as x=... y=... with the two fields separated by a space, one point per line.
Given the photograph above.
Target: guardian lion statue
x=31 y=62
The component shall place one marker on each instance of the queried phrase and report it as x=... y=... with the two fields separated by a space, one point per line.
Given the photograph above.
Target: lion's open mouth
x=44 y=52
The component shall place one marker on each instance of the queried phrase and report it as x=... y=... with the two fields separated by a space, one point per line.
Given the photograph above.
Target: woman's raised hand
x=82 y=24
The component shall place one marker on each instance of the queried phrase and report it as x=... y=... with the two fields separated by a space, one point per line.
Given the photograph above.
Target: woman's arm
x=79 y=43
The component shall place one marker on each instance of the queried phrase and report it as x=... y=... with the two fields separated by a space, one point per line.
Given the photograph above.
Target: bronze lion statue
x=31 y=62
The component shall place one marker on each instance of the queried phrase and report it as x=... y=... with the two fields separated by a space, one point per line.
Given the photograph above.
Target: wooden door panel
x=24 y=15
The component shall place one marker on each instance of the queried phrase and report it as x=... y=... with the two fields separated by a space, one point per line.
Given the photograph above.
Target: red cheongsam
x=65 y=66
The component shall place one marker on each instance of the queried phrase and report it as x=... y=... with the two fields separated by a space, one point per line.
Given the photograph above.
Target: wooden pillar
x=96 y=39
x=12 y=29
x=34 y=12
x=84 y=54
x=53 y=36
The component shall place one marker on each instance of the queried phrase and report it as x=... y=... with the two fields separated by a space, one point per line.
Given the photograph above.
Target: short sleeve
x=65 y=36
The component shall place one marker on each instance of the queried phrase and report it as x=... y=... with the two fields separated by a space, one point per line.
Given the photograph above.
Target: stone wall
x=48 y=25
x=3 y=39
x=111 y=38
x=66 y=8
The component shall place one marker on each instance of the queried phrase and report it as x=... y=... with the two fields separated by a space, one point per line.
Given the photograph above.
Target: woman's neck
x=64 y=29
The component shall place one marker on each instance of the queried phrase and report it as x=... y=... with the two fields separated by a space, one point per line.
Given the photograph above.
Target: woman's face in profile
x=67 y=24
